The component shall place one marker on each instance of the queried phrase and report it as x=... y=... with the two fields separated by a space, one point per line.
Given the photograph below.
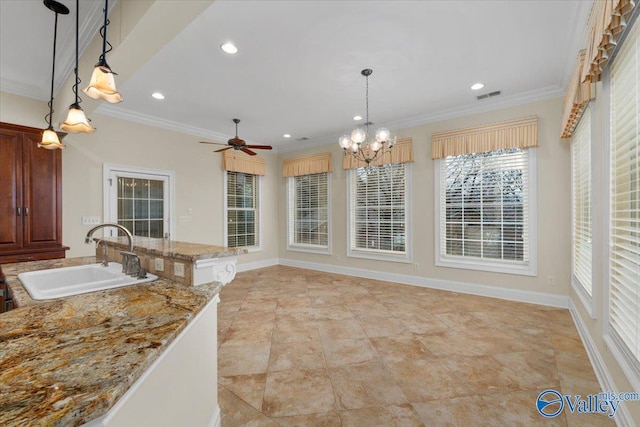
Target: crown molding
x=22 y=89
x=146 y=119
x=483 y=106
x=576 y=38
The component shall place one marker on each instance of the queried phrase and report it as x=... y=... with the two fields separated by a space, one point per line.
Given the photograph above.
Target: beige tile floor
x=304 y=348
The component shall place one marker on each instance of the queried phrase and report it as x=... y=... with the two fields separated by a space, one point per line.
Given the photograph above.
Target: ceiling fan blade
x=212 y=143
x=249 y=152
x=260 y=147
x=223 y=149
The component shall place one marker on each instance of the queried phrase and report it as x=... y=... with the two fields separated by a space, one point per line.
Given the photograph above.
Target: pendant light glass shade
x=50 y=140
x=76 y=121
x=103 y=85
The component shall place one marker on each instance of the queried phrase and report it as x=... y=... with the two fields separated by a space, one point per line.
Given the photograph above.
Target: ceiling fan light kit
x=359 y=144
x=239 y=144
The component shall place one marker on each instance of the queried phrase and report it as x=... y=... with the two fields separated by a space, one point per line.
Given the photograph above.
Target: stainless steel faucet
x=130 y=261
x=88 y=238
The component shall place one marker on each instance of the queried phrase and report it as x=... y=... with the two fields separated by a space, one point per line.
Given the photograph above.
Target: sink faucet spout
x=89 y=239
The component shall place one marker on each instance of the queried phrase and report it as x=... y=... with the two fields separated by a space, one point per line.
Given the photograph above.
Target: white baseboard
x=215 y=418
x=551 y=300
x=622 y=417
x=256 y=264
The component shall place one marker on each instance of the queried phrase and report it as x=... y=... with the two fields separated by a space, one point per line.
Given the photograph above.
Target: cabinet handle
x=19 y=211
x=26 y=211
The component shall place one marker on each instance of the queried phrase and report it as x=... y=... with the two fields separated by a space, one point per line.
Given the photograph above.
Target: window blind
x=484 y=206
x=378 y=209
x=581 y=192
x=308 y=210
x=242 y=209
x=624 y=232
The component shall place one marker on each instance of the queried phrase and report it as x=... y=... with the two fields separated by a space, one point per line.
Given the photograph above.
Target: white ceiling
x=298 y=66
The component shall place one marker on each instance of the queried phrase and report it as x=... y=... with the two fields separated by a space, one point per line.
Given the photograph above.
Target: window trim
x=301 y=247
x=610 y=337
x=516 y=267
x=407 y=257
x=108 y=209
x=586 y=299
x=254 y=248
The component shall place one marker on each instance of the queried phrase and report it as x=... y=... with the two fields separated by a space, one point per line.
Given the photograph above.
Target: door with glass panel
x=140 y=202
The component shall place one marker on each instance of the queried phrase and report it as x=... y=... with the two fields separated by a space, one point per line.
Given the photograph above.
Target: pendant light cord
x=78 y=81
x=367 y=109
x=103 y=33
x=53 y=72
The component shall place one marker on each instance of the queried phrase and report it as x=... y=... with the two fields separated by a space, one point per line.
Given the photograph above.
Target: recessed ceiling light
x=157 y=95
x=477 y=86
x=229 y=48
x=357 y=117
x=286 y=135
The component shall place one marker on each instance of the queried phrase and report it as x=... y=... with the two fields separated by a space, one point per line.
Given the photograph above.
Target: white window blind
x=581 y=192
x=378 y=209
x=624 y=232
x=484 y=201
x=242 y=209
x=308 y=216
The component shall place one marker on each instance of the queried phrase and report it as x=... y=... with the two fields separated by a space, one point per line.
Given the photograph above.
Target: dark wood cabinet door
x=10 y=190
x=42 y=190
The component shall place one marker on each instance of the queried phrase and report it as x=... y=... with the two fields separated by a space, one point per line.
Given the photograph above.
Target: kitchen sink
x=67 y=281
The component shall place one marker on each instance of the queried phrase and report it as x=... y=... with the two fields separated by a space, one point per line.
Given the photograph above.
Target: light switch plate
x=178 y=269
x=159 y=264
x=90 y=220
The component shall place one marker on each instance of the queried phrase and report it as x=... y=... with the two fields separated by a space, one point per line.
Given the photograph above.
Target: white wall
x=553 y=207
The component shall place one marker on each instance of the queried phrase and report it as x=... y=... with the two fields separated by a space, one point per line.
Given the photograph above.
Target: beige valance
x=401 y=152
x=607 y=21
x=318 y=163
x=518 y=133
x=237 y=161
x=578 y=95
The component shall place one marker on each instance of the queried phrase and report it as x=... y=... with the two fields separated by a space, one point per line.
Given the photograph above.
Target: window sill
x=522 y=269
x=322 y=250
x=583 y=296
x=380 y=256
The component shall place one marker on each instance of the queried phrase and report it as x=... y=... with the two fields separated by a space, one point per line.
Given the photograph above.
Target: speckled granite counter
x=65 y=362
x=175 y=249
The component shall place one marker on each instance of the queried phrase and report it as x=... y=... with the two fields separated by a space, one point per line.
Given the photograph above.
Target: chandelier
x=360 y=144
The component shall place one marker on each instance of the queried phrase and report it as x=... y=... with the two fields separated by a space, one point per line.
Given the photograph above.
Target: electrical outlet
x=338 y=258
x=178 y=269
x=90 y=220
x=159 y=264
x=416 y=266
x=551 y=280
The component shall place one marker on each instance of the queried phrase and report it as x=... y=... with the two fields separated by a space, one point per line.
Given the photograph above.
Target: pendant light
x=50 y=139
x=76 y=121
x=103 y=82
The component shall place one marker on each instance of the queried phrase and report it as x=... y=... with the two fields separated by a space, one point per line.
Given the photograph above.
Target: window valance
x=518 y=133
x=318 y=163
x=402 y=152
x=607 y=21
x=578 y=95
x=237 y=161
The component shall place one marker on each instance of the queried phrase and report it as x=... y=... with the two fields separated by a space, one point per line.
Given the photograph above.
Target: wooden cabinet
x=30 y=197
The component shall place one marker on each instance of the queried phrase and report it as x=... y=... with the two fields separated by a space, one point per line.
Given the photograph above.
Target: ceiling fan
x=239 y=144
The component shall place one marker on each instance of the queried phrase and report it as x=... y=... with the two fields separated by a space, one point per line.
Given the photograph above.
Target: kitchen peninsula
x=139 y=355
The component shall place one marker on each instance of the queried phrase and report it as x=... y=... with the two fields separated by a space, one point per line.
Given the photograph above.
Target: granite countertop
x=66 y=361
x=174 y=249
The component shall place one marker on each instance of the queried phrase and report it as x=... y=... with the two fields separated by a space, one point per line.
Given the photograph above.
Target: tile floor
x=304 y=348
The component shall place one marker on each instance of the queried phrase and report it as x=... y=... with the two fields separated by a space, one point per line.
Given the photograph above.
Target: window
x=242 y=210
x=581 y=194
x=485 y=215
x=378 y=225
x=624 y=227
x=139 y=199
x=308 y=212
